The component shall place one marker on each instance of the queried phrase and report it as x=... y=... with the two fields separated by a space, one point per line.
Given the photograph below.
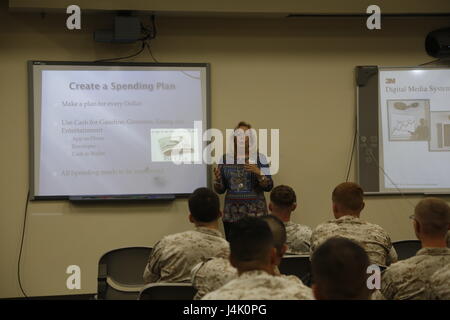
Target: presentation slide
x=414 y=129
x=118 y=130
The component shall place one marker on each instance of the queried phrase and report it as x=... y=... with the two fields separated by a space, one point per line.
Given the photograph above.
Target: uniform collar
x=433 y=252
x=212 y=232
x=348 y=218
x=254 y=273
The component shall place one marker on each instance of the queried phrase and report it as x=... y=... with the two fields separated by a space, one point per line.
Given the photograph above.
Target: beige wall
x=238 y=6
x=296 y=75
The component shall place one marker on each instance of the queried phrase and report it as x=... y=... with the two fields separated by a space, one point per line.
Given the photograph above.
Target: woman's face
x=241 y=137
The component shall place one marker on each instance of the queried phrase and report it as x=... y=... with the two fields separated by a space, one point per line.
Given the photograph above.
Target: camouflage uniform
x=212 y=274
x=174 y=256
x=297 y=238
x=439 y=285
x=259 y=285
x=371 y=237
x=408 y=279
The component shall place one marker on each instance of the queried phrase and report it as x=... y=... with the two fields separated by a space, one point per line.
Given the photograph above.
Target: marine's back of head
x=339 y=268
x=348 y=198
x=252 y=245
x=204 y=206
x=432 y=218
x=283 y=197
x=279 y=233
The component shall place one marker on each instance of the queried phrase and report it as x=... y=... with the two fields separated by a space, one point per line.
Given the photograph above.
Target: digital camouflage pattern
x=409 y=279
x=298 y=238
x=212 y=274
x=259 y=285
x=371 y=237
x=173 y=257
x=439 y=285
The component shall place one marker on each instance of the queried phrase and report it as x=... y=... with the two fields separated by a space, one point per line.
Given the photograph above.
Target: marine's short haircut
x=349 y=195
x=250 y=240
x=278 y=230
x=204 y=205
x=283 y=196
x=339 y=269
x=433 y=215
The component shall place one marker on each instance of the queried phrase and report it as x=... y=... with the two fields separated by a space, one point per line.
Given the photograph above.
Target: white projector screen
x=112 y=129
x=414 y=130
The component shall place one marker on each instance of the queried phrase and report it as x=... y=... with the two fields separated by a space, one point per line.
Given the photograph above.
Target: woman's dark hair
x=251 y=140
x=243 y=124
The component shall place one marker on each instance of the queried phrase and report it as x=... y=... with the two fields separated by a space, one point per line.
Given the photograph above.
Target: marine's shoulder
x=230 y=289
x=297 y=227
x=401 y=267
x=190 y=236
x=374 y=227
x=293 y=286
x=441 y=274
x=325 y=226
x=215 y=265
x=214 y=295
x=179 y=236
x=212 y=274
x=438 y=286
x=262 y=286
x=291 y=280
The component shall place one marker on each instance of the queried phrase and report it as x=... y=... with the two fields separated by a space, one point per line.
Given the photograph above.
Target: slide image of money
x=173 y=145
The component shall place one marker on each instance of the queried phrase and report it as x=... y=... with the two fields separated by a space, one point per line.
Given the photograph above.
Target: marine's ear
x=316 y=292
x=233 y=261
x=417 y=228
x=294 y=206
x=363 y=206
x=283 y=250
x=335 y=209
x=274 y=256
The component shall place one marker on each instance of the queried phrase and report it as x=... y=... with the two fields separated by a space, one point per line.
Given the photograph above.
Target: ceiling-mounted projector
x=127 y=29
x=437 y=43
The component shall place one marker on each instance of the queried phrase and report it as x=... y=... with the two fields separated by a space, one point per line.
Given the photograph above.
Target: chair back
x=297 y=265
x=407 y=248
x=167 y=291
x=120 y=273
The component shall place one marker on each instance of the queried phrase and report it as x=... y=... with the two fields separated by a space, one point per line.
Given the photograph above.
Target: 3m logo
x=390 y=80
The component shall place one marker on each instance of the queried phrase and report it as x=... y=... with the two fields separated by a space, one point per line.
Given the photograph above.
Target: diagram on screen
x=173 y=145
x=409 y=120
x=440 y=131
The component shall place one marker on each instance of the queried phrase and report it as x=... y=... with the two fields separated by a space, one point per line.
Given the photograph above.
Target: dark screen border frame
x=31 y=118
